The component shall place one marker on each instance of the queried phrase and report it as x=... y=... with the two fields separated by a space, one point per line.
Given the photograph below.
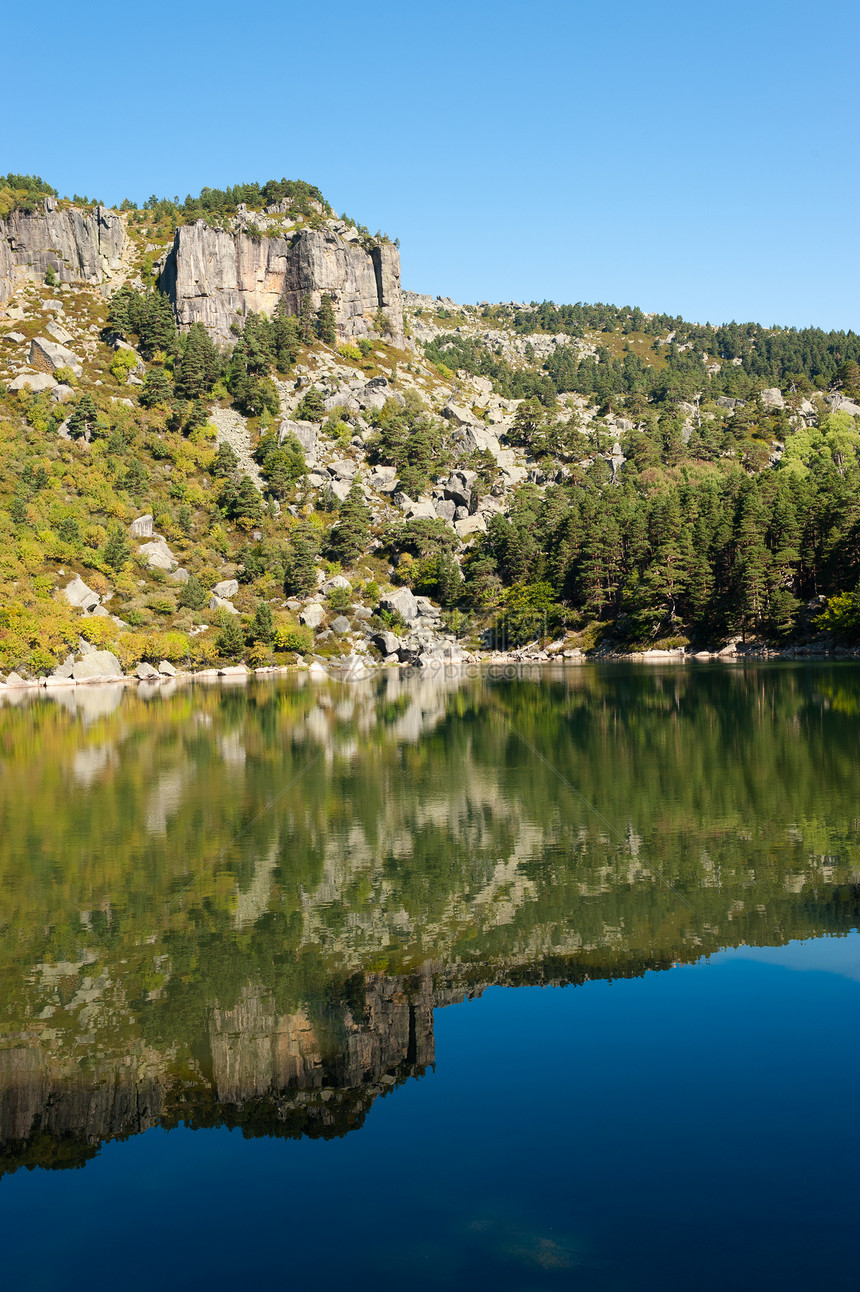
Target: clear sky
x=688 y=158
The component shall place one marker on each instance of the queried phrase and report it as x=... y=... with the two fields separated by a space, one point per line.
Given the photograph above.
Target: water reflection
x=242 y=906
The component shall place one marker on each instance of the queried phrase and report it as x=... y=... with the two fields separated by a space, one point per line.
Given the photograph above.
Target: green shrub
x=339 y=599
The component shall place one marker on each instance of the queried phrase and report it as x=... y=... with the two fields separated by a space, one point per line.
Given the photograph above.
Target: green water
x=246 y=906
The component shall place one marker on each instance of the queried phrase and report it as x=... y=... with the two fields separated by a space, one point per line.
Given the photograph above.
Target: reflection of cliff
x=213 y=903
x=267 y=1073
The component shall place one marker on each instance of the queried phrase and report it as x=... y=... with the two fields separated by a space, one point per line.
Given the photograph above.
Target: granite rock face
x=80 y=246
x=100 y=663
x=217 y=278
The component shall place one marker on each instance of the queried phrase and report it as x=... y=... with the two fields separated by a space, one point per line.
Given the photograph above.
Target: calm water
x=528 y=983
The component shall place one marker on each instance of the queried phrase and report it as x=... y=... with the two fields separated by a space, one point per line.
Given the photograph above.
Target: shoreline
x=353 y=669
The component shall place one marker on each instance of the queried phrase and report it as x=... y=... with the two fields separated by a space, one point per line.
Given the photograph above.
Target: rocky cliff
x=217 y=277
x=81 y=246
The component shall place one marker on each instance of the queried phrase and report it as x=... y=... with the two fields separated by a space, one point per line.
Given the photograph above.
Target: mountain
x=229 y=435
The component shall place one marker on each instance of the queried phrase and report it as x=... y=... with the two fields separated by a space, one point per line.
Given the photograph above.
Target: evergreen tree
x=83 y=418
x=326 y=327
x=230 y=642
x=117 y=549
x=241 y=501
x=156 y=388
x=226 y=461
x=263 y=625
x=306 y=319
x=349 y=535
x=192 y=594
x=197 y=366
x=285 y=337
x=311 y=407
x=300 y=576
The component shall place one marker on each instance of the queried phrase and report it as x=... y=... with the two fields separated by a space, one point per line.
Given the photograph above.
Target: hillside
x=228 y=436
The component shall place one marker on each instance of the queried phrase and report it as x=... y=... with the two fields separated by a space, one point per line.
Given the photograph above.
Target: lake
x=523 y=981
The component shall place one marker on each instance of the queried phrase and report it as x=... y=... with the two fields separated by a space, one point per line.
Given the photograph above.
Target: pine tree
x=311 y=407
x=263 y=624
x=226 y=461
x=230 y=641
x=300 y=576
x=349 y=535
x=306 y=319
x=326 y=327
x=197 y=368
x=285 y=336
x=83 y=418
x=192 y=594
x=156 y=388
x=117 y=549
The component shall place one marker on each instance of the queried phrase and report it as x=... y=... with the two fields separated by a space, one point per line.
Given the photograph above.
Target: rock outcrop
x=81 y=246
x=217 y=278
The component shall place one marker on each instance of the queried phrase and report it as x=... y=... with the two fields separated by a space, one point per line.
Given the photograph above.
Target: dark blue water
x=691 y=1129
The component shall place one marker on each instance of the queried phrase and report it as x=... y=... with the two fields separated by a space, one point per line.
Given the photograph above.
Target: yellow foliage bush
x=204 y=652
x=129 y=648
x=100 y=631
x=123 y=362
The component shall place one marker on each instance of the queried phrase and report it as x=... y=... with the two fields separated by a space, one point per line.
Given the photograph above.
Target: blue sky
x=692 y=159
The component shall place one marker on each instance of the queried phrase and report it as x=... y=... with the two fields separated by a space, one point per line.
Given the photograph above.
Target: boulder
x=221 y=603
x=340 y=488
x=424 y=509
x=458 y=488
x=305 y=432
x=80 y=596
x=146 y=673
x=840 y=404
x=772 y=398
x=312 y=616
x=471 y=525
x=343 y=470
x=62 y=394
x=337 y=581
x=340 y=624
x=158 y=555
x=401 y=602
x=101 y=663
x=34 y=381
x=65 y=669
x=441 y=653
x=142 y=527
x=57 y=332
x=458 y=415
x=179 y=575
x=227 y=588
x=15 y=679
x=477 y=439
x=382 y=479
x=445 y=509
x=48 y=356
x=388 y=643
x=166 y=669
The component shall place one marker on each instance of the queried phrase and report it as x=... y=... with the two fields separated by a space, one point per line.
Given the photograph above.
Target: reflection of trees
x=254 y=854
